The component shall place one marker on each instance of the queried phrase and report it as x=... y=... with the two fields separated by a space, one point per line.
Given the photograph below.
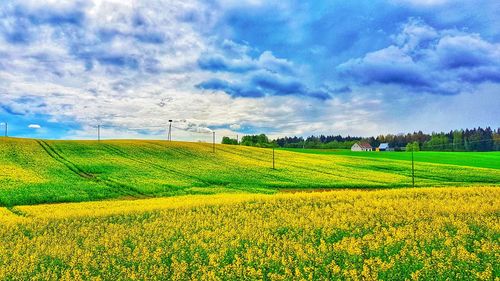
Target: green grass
x=36 y=171
x=472 y=159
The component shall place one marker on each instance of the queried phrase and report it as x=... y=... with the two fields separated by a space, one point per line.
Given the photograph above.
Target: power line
x=190 y=130
x=169 y=129
x=154 y=127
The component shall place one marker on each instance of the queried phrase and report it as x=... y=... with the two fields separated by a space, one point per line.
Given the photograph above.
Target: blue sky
x=278 y=67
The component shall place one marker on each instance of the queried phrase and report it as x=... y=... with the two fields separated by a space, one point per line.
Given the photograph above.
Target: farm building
x=383 y=147
x=361 y=146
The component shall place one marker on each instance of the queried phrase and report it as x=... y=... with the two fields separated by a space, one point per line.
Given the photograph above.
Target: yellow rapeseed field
x=440 y=233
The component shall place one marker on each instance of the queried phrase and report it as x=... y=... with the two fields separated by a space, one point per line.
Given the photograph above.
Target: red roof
x=365 y=145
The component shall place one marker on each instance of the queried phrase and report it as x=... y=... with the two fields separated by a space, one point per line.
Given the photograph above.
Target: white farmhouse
x=361 y=146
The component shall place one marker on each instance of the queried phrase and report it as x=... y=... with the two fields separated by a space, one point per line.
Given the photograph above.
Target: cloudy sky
x=237 y=67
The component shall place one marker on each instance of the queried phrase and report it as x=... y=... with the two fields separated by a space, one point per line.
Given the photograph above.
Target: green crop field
x=473 y=159
x=38 y=171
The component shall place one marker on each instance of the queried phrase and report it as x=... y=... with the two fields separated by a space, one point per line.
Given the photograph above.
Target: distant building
x=361 y=146
x=383 y=147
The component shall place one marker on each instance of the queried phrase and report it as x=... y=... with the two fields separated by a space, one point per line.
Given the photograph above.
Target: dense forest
x=476 y=139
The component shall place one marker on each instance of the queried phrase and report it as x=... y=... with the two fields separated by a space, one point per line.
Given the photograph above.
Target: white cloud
x=235 y=127
x=415 y=33
x=78 y=73
x=34 y=126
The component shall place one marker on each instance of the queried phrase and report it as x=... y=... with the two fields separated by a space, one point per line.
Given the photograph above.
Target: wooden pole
x=98 y=133
x=213 y=133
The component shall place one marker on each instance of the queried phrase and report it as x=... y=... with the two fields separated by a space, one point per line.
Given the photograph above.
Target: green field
x=473 y=159
x=37 y=171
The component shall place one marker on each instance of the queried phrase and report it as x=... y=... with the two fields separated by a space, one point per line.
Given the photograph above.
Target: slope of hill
x=39 y=171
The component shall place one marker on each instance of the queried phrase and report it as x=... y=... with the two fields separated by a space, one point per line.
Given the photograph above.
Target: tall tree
x=458 y=140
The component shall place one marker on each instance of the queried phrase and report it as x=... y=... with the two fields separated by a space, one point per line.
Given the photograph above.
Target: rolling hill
x=43 y=171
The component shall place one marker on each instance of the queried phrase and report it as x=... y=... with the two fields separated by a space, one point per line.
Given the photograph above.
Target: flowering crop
x=427 y=233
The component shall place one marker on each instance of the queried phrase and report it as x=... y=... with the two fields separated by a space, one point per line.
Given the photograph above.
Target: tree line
x=476 y=139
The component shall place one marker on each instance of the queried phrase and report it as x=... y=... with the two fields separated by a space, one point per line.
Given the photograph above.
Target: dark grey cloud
x=18 y=22
x=426 y=60
x=387 y=66
x=264 y=83
x=238 y=61
x=466 y=51
x=232 y=89
x=254 y=76
x=342 y=90
x=218 y=63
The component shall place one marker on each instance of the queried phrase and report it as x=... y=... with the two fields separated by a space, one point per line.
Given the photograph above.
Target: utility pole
x=237 y=139
x=98 y=133
x=6 y=128
x=169 y=130
x=412 y=168
x=213 y=133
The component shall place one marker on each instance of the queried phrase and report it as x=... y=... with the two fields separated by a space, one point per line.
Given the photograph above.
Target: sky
x=281 y=68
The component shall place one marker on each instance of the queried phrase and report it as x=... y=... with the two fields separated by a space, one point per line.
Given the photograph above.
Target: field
x=428 y=233
x=472 y=159
x=38 y=171
x=157 y=210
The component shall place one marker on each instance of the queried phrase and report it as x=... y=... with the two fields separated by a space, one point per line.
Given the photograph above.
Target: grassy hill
x=39 y=171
